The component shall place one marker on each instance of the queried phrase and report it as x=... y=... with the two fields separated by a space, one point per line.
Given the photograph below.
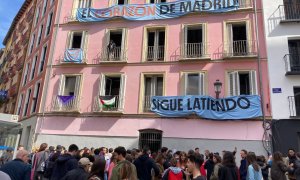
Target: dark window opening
x=112 y=86
x=239 y=37
x=297 y=100
x=43 y=59
x=36 y=97
x=194 y=39
x=291 y=9
x=194 y=35
x=157 y=1
x=27 y=103
x=156 y=45
x=70 y=84
x=120 y=2
x=151 y=36
x=150 y=138
x=50 y=23
x=244 y=83
x=294 y=57
x=77 y=40
x=116 y=37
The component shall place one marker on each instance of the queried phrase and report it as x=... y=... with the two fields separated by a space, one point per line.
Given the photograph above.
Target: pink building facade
x=134 y=60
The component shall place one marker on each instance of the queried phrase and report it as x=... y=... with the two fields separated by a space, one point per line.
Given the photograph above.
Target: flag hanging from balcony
x=73 y=55
x=66 y=99
x=108 y=101
x=3 y=94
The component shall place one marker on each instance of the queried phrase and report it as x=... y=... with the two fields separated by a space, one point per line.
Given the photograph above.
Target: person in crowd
x=243 y=166
x=51 y=162
x=206 y=154
x=173 y=172
x=127 y=172
x=113 y=163
x=197 y=150
x=97 y=170
x=217 y=164
x=193 y=166
x=6 y=156
x=278 y=168
x=164 y=152
x=209 y=165
x=290 y=161
x=39 y=161
x=4 y=176
x=297 y=166
x=110 y=152
x=18 y=169
x=92 y=151
x=65 y=163
x=81 y=172
x=254 y=171
x=202 y=169
x=129 y=158
x=182 y=160
x=160 y=160
x=116 y=172
x=261 y=161
x=20 y=147
x=144 y=164
x=228 y=170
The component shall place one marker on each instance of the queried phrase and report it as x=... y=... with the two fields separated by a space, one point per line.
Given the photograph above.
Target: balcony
x=193 y=51
x=13 y=91
x=289 y=12
x=292 y=64
x=294 y=106
x=155 y=53
x=71 y=17
x=65 y=104
x=107 y=104
x=238 y=49
x=147 y=104
x=116 y=55
x=74 y=56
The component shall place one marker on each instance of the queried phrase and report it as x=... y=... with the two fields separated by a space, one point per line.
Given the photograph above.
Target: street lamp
x=218 y=87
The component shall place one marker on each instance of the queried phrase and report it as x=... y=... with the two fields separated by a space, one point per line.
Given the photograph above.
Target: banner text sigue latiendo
x=140 y=12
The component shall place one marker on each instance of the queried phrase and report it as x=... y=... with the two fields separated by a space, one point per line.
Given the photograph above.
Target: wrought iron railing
x=288 y=12
x=100 y=106
x=112 y=55
x=193 y=50
x=240 y=48
x=294 y=105
x=155 y=53
x=68 y=106
x=292 y=63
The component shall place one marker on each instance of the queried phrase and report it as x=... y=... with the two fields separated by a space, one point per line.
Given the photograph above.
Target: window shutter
x=61 y=85
x=234 y=88
x=184 y=84
x=102 y=85
x=84 y=44
x=201 y=84
x=69 y=40
x=77 y=86
x=253 y=83
x=229 y=43
x=75 y=7
x=122 y=92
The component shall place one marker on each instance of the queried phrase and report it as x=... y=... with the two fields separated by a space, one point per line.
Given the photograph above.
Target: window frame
x=202 y=88
x=253 y=82
x=27 y=102
x=35 y=97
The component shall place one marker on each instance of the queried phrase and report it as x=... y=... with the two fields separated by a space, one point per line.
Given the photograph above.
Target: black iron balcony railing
x=292 y=63
x=288 y=12
x=240 y=48
x=294 y=105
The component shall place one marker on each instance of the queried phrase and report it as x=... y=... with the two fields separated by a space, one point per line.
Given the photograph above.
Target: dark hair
x=159 y=158
x=197 y=159
x=173 y=162
x=43 y=147
x=126 y=171
x=145 y=149
x=251 y=159
x=164 y=149
x=91 y=158
x=98 y=168
x=211 y=156
x=129 y=158
x=191 y=152
x=121 y=151
x=277 y=157
x=97 y=151
x=182 y=154
x=261 y=159
x=228 y=159
x=245 y=151
x=51 y=148
x=218 y=158
x=196 y=148
x=291 y=149
x=110 y=150
x=128 y=151
x=73 y=147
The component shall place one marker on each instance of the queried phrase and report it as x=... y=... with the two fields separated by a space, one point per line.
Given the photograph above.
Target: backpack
x=173 y=176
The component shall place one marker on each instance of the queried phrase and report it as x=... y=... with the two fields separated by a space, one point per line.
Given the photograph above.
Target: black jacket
x=76 y=174
x=17 y=170
x=209 y=166
x=63 y=164
x=144 y=165
x=228 y=173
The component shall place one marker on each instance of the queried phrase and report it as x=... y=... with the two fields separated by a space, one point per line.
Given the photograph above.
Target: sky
x=8 y=10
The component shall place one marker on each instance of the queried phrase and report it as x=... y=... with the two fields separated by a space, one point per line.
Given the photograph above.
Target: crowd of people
x=49 y=163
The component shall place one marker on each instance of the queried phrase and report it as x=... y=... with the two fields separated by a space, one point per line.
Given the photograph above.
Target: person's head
x=43 y=147
x=9 y=149
x=164 y=150
x=228 y=159
x=126 y=172
x=160 y=159
x=182 y=157
x=261 y=159
x=291 y=152
x=251 y=159
x=243 y=153
x=97 y=151
x=277 y=157
x=98 y=168
x=173 y=162
x=129 y=158
x=114 y=157
x=59 y=148
x=191 y=152
x=23 y=155
x=85 y=164
x=197 y=150
x=206 y=153
x=177 y=155
x=51 y=149
x=111 y=150
x=73 y=149
x=211 y=156
x=104 y=150
x=91 y=158
x=217 y=159
x=194 y=162
x=20 y=147
x=146 y=150
x=121 y=153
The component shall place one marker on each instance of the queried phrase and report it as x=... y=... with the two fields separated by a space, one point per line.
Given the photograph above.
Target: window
x=49 y=24
x=37 y=14
x=40 y=35
x=155 y=44
x=291 y=9
x=32 y=44
x=151 y=138
x=238 y=42
x=115 y=44
x=194 y=83
x=157 y=1
x=84 y=3
x=119 y=2
x=20 y=104
x=45 y=7
x=26 y=102
x=70 y=85
x=43 y=58
x=154 y=85
x=33 y=67
x=193 y=41
x=25 y=74
x=35 y=97
x=77 y=40
x=242 y=83
x=112 y=87
x=294 y=55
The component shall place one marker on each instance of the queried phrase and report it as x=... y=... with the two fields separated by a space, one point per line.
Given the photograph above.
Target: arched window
x=151 y=138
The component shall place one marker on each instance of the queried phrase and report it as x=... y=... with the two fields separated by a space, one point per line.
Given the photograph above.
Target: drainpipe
x=48 y=72
x=261 y=91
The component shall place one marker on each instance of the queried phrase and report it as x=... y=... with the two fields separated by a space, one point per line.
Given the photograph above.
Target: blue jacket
x=243 y=169
x=63 y=164
x=253 y=175
x=17 y=170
